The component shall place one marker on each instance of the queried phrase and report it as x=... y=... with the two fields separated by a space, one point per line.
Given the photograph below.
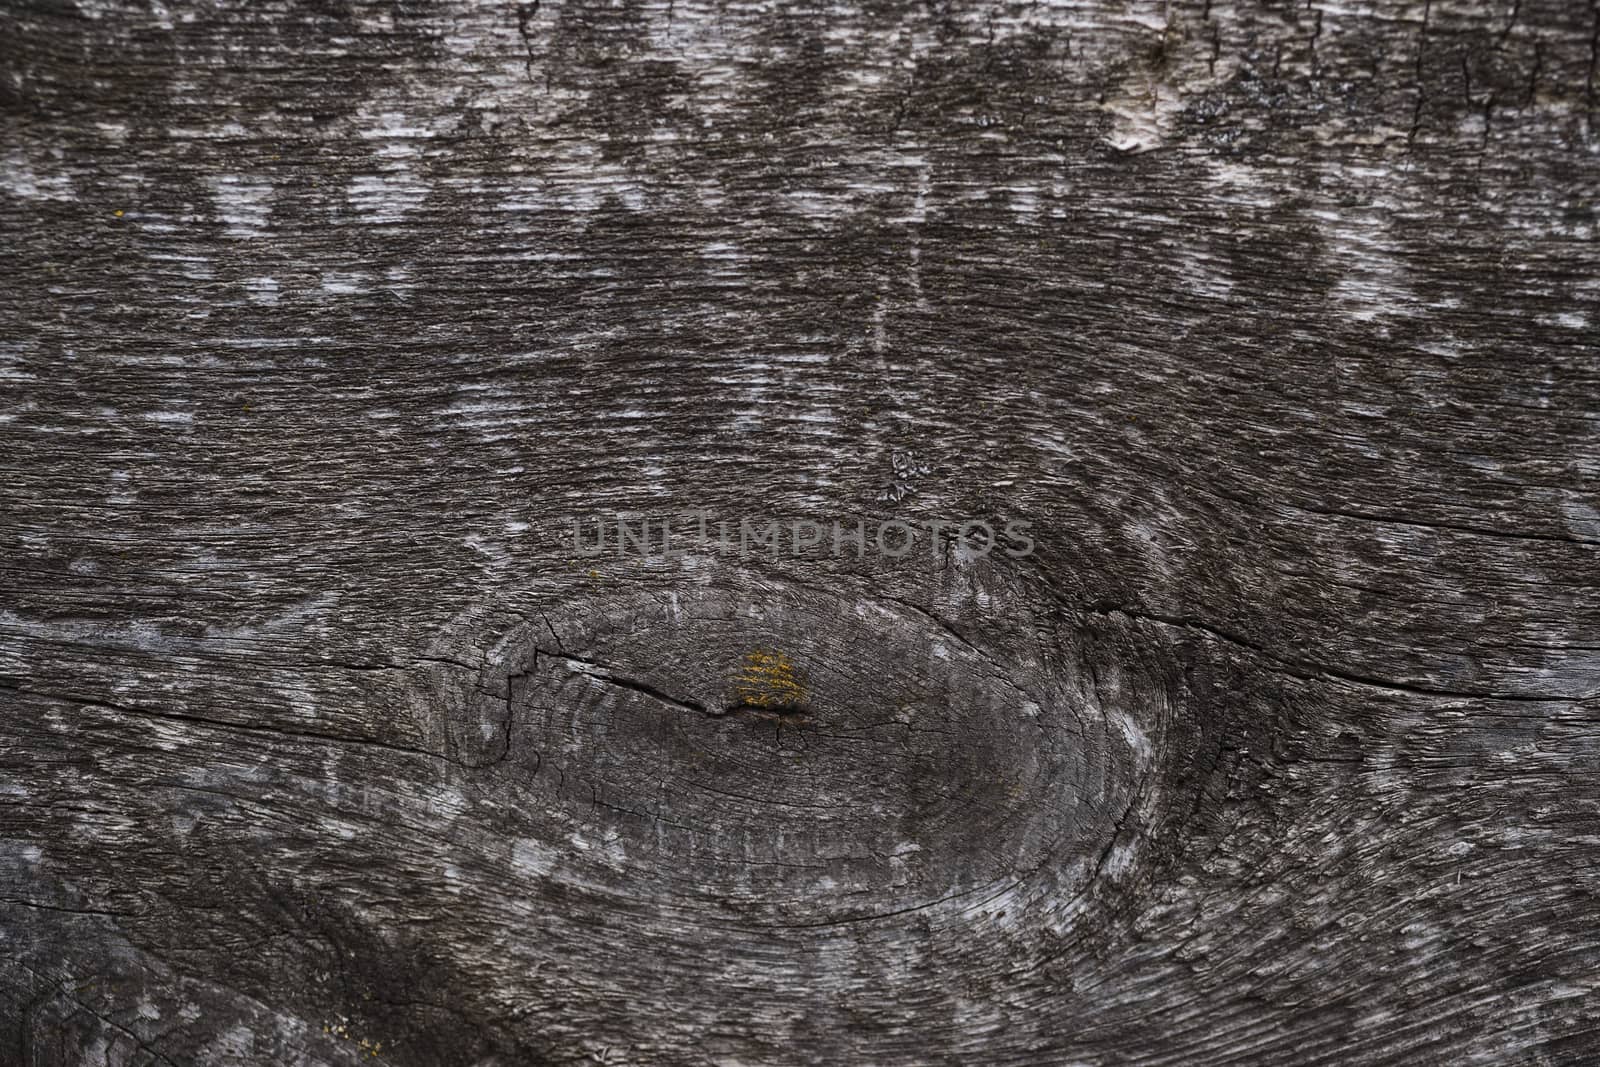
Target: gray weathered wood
x=323 y=744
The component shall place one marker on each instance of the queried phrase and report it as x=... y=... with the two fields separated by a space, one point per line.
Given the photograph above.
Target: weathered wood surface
x=1277 y=322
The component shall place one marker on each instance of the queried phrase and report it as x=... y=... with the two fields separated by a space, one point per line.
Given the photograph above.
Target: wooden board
x=333 y=330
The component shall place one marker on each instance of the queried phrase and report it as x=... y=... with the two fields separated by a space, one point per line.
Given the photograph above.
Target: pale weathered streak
x=323 y=745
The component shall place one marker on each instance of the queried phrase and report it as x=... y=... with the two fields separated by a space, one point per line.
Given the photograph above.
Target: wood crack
x=1311 y=671
x=224 y=724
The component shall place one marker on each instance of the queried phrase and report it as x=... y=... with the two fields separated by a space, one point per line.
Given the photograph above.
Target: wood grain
x=323 y=745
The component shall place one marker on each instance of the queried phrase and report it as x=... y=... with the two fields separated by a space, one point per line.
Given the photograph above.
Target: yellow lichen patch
x=341 y=1029
x=767 y=680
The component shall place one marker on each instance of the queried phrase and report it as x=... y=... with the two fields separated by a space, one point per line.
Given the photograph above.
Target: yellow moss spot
x=118 y=213
x=767 y=679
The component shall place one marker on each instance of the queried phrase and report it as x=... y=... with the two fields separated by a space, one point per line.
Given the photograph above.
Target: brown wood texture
x=324 y=742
